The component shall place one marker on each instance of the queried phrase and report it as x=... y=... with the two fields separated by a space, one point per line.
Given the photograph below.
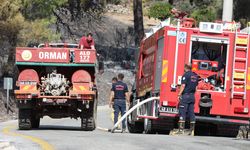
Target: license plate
x=171 y=110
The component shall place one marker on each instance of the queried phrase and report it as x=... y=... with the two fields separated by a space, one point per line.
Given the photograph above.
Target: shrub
x=204 y=14
x=160 y=10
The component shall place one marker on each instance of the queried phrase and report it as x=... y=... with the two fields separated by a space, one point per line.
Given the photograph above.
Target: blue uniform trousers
x=120 y=106
x=186 y=107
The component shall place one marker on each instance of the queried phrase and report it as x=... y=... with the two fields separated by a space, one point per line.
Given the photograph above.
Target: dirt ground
x=3 y=107
x=129 y=19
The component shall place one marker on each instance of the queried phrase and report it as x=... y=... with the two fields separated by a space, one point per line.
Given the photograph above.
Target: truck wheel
x=95 y=112
x=148 y=123
x=148 y=129
x=24 y=119
x=87 y=123
x=88 y=118
x=133 y=126
x=137 y=127
x=35 y=122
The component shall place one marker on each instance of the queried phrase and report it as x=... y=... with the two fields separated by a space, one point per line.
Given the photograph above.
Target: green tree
x=205 y=14
x=38 y=9
x=37 y=31
x=16 y=30
x=11 y=23
x=186 y=6
x=205 y=10
x=160 y=10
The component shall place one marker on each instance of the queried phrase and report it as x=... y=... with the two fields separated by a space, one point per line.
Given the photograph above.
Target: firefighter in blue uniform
x=186 y=98
x=119 y=93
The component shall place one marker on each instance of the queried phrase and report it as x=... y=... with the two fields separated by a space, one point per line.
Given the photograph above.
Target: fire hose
x=132 y=109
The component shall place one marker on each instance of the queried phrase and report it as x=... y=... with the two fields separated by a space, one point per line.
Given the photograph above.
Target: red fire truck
x=56 y=80
x=218 y=53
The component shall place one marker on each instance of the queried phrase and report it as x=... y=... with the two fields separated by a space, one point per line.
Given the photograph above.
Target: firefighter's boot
x=180 y=130
x=192 y=128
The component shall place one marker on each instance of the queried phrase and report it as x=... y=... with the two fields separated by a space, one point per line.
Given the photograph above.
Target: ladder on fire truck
x=240 y=61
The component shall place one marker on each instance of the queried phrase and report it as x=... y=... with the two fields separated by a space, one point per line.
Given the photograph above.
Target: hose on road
x=132 y=109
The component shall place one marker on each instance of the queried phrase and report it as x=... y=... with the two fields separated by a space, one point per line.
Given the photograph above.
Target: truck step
x=240 y=70
x=238 y=82
x=240 y=59
x=241 y=48
x=238 y=93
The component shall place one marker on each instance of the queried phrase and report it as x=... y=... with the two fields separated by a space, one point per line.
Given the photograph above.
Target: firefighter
x=111 y=100
x=186 y=98
x=87 y=42
x=119 y=93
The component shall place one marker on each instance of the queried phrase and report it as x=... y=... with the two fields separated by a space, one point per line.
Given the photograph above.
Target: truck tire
x=133 y=126
x=24 y=119
x=148 y=126
x=87 y=123
x=95 y=112
x=88 y=118
x=35 y=122
x=137 y=127
x=148 y=123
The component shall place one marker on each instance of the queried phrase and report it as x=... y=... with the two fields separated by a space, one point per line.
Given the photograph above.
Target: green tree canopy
x=11 y=21
x=205 y=14
x=37 y=31
x=205 y=10
x=160 y=10
x=38 y=9
x=17 y=30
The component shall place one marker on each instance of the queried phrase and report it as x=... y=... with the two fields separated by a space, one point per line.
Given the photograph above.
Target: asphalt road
x=64 y=134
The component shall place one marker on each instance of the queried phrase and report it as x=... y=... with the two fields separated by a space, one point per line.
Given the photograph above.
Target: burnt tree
x=138 y=21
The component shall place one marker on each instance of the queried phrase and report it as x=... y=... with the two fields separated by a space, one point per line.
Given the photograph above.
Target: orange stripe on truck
x=79 y=88
x=82 y=88
x=28 y=87
x=242 y=41
x=248 y=79
x=164 y=75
